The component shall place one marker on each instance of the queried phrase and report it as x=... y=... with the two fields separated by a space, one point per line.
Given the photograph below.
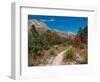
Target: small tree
x=83 y=33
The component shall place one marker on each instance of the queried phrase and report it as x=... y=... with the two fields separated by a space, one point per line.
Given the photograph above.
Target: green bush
x=55 y=47
x=82 y=46
x=40 y=53
x=70 y=54
x=64 y=44
x=52 y=52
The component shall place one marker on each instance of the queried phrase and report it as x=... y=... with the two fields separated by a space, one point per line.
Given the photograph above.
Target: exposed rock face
x=42 y=27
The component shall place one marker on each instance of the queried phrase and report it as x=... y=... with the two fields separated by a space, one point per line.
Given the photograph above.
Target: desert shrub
x=46 y=47
x=55 y=47
x=82 y=46
x=85 y=61
x=70 y=41
x=40 y=53
x=85 y=57
x=70 y=54
x=65 y=44
x=52 y=52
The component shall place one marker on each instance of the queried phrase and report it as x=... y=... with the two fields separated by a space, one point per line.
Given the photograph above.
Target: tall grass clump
x=70 y=54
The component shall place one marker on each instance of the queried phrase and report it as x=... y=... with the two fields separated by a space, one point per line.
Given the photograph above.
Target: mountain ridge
x=42 y=27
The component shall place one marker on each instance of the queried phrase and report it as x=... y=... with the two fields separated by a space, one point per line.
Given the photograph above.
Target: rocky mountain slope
x=42 y=27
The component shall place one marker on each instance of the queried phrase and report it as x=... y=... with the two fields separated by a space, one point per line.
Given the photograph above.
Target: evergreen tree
x=83 y=34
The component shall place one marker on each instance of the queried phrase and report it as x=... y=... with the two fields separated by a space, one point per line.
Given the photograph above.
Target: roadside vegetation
x=44 y=45
x=78 y=54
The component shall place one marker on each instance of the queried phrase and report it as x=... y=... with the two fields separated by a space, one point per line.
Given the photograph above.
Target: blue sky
x=62 y=23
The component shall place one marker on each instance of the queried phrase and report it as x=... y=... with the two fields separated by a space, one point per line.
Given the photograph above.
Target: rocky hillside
x=42 y=27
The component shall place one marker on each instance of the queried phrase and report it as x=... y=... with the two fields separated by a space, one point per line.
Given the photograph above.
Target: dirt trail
x=59 y=58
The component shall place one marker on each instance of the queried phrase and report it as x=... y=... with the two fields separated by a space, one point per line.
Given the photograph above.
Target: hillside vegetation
x=44 y=44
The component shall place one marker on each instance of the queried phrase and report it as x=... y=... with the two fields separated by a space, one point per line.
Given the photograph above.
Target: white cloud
x=52 y=19
x=49 y=20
